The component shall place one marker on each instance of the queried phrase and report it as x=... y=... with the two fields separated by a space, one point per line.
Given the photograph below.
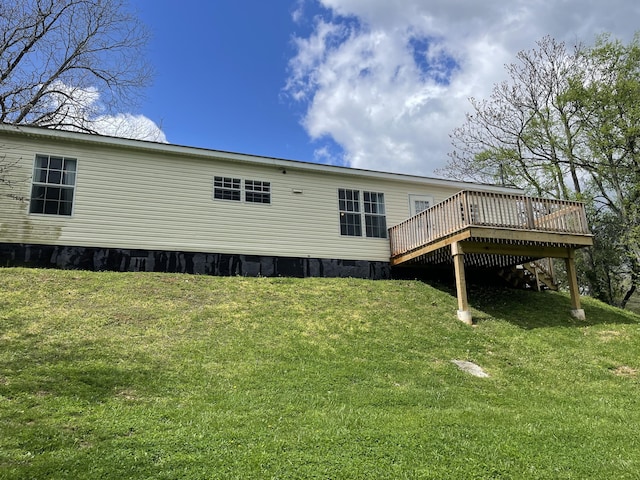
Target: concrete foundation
x=578 y=314
x=465 y=316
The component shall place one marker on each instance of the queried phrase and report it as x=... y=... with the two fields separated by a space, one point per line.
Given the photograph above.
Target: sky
x=372 y=84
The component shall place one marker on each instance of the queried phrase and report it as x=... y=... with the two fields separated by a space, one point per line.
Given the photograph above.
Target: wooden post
x=572 y=278
x=461 y=284
x=535 y=269
x=552 y=270
x=466 y=215
x=529 y=210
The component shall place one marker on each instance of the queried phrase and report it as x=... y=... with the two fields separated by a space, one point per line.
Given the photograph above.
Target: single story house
x=87 y=201
x=75 y=200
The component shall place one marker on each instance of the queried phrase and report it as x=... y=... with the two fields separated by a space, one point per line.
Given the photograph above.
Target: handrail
x=486 y=209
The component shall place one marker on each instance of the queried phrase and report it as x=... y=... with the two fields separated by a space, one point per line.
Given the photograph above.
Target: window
x=350 y=206
x=350 y=219
x=422 y=205
x=419 y=203
x=54 y=181
x=257 y=192
x=226 y=188
x=374 y=215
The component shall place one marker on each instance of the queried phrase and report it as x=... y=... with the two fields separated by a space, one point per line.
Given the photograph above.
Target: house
x=88 y=201
x=74 y=200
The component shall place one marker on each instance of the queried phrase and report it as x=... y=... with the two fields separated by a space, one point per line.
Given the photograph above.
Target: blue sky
x=220 y=71
x=376 y=84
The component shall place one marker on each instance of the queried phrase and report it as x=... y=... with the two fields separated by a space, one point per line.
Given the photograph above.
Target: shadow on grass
x=78 y=370
x=530 y=309
x=524 y=308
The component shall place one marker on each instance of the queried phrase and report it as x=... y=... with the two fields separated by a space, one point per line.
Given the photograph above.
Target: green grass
x=132 y=375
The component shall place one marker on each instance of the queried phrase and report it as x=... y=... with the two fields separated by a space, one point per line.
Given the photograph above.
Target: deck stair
x=518 y=277
x=531 y=275
x=544 y=274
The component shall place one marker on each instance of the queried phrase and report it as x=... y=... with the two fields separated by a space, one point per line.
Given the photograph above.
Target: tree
x=525 y=133
x=566 y=125
x=64 y=63
x=605 y=96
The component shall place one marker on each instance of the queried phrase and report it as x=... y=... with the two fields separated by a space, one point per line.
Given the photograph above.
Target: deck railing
x=485 y=209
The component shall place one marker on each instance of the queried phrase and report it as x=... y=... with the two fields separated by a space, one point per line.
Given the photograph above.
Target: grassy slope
x=108 y=375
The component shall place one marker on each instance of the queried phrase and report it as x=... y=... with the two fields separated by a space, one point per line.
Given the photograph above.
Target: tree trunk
x=628 y=296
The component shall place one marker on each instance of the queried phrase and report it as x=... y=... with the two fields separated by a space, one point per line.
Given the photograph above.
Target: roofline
x=169 y=148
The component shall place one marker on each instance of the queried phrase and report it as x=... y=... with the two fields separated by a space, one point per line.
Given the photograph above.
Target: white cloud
x=298 y=12
x=81 y=109
x=389 y=80
x=127 y=125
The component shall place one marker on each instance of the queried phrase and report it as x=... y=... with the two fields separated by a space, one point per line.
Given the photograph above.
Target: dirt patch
x=128 y=394
x=625 y=371
x=607 y=335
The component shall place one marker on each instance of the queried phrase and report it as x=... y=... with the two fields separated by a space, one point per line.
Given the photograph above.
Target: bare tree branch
x=83 y=45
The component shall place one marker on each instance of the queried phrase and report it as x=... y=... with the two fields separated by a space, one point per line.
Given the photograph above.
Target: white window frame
x=350 y=209
x=354 y=214
x=256 y=191
x=240 y=190
x=378 y=215
x=61 y=179
x=413 y=198
x=224 y=187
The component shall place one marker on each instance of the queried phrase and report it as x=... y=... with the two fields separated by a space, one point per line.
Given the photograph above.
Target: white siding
x=137 y=199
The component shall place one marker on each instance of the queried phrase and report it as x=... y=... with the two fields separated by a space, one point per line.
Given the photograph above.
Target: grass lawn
x=137 y=375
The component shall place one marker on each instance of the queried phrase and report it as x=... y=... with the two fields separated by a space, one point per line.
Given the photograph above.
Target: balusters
x=488 y=209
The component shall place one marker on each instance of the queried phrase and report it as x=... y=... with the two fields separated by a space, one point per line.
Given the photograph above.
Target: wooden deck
x=497 y=230
x=493 y=230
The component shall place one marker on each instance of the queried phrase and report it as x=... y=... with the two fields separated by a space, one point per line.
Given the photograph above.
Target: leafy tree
x=605 y=95
x=567 y=125
x=65 y=62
